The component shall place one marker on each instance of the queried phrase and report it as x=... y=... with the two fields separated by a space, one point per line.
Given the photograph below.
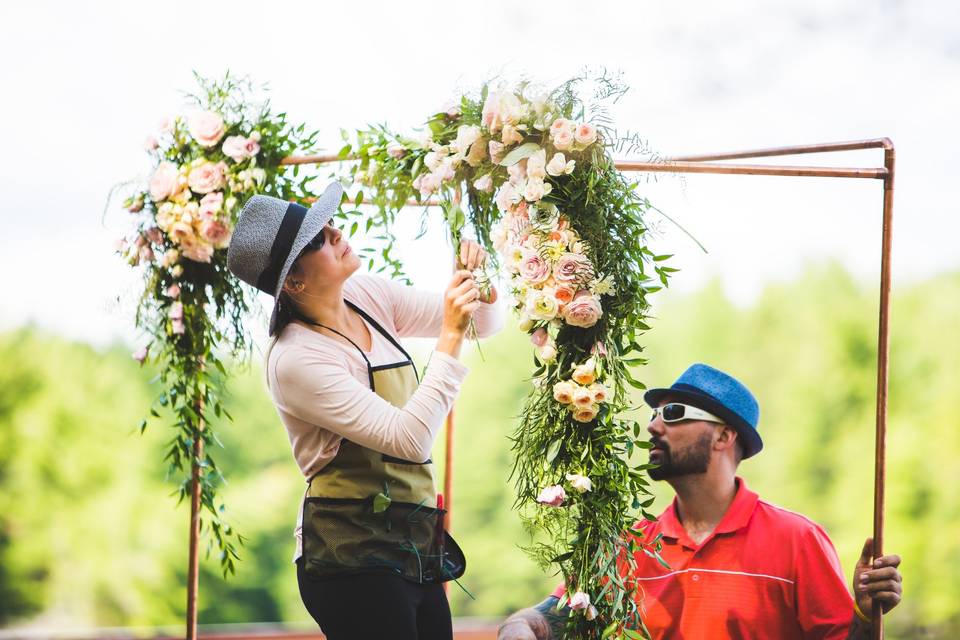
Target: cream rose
x=547 y=353
x=536 y=165
x=478 y=153
x=163 y=184
x=466 y=136
x=536 y=189
x=584 y=310
x=207 y=177
x=510 y=135
x=563 y=392
x=542 y=306
x=206 y=127
x=559 y=166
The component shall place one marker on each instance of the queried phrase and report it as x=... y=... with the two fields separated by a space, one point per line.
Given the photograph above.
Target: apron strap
x=376 y=325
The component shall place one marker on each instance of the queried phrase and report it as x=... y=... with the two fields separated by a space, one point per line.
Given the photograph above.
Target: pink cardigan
x=321 y=390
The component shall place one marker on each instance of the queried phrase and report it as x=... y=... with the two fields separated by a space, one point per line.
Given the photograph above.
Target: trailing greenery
x=192 y=309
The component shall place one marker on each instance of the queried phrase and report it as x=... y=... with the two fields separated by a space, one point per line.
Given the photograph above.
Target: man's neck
x=702 y=501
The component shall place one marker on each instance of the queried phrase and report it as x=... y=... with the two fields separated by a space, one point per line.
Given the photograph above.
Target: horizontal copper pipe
x=686 y=166
x=752 y=169
x=876 y=143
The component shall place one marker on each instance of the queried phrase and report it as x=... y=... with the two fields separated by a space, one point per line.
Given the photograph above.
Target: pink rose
x=585 y=135
x=579 y=601
x=210 y=205
x=584 y=310
x=178 y=327
x=146 y=254
x=206 y=127
x=540 y=337
x=561 y=124
x=176 y=311
x=215 y=232
x=207 y=177
x=154 y=235
x=239 y=148
x=173 y=291
x=534 y=268
x=163 y=184
x=139 y=355
x=198 y=251
x=553 y=496
x=572 y=268
x=598 y=349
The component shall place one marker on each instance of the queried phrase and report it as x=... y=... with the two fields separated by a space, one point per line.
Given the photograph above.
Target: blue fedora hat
x=722 y=395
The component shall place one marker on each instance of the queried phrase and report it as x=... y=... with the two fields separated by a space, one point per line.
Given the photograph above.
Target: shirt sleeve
x=824 y=605
x=419 y=314
x=318 y=388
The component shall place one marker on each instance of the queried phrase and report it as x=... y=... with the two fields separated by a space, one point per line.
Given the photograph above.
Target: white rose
x=536 y=165
x=536 y=189
x=581 y=483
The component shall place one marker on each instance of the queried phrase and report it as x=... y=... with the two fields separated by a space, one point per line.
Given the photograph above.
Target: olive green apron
x=369 y=512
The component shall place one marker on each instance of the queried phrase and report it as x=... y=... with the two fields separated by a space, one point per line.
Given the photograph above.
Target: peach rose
x=583 y=311
x=198 y=251
x=599 y=392
x=510 y=135
x=582 y=397
x=585 y=135
x=563 y=294
x=163 y=184
x=586 y=414
x=585 y=373
x=206 y=127
x=207 y=177
x=182 y=233
x=563 y=140
x=561 y=124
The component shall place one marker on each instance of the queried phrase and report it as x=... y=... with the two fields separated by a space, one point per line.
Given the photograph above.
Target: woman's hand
x=460 y=300
x=472 y=257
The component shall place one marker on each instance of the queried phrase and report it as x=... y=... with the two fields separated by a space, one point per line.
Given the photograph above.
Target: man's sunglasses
x=677 y=412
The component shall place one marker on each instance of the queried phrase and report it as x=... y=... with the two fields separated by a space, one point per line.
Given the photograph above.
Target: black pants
x=373 y=606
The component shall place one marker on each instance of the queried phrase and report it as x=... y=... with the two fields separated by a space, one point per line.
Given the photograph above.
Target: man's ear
x=727 y=438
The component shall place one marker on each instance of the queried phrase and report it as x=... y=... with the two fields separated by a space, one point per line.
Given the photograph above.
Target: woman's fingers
x=472 y=255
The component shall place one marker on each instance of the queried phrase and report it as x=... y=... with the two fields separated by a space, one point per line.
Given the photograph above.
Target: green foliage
x=88 y=536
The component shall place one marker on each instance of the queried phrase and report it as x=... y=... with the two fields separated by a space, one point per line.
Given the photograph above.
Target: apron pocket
x=345 y=536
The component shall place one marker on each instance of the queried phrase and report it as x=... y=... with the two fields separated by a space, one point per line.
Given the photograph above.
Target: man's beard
x=693 y=459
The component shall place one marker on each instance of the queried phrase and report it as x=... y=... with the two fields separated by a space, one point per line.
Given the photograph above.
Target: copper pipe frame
x=708 y=163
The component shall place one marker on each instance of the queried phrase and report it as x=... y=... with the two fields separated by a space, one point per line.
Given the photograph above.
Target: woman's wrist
x=450 y=342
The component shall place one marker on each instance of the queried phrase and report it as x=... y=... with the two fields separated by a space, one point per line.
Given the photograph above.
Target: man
x=739 y=567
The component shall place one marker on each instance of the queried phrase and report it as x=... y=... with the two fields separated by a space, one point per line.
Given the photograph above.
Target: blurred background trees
x=89 y=535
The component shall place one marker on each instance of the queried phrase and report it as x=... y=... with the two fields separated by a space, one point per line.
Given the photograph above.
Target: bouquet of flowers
x=207 y=162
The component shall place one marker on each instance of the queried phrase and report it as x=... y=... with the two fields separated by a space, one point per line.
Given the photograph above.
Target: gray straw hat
x=269 y=236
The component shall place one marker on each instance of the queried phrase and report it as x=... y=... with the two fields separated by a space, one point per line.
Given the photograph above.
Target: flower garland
x=542 y=191
x=207 y=164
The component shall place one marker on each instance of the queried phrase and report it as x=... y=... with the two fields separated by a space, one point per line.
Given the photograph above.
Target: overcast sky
x=85 y=83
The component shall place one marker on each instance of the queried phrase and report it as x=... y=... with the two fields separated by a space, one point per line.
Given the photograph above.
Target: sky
x=85 y=83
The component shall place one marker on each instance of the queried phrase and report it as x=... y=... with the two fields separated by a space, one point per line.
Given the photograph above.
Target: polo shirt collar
x=736 y=517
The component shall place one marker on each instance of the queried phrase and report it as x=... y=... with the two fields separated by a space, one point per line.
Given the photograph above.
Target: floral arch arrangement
x=532 y=174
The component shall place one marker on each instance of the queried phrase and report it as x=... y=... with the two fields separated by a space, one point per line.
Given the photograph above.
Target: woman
x=371 y=549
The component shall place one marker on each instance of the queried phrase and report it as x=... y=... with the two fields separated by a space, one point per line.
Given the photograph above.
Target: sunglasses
x=677 y=412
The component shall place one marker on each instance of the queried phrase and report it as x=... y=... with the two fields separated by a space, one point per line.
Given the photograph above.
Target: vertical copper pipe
x=193 y=573
x=883 y=354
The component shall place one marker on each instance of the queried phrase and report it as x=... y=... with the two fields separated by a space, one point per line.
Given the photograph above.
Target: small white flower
x=581 y=483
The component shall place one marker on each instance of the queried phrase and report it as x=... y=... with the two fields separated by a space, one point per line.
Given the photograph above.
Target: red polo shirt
x=765 y=572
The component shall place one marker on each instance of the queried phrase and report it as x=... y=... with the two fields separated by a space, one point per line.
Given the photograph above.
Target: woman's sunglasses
x=677 y=412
